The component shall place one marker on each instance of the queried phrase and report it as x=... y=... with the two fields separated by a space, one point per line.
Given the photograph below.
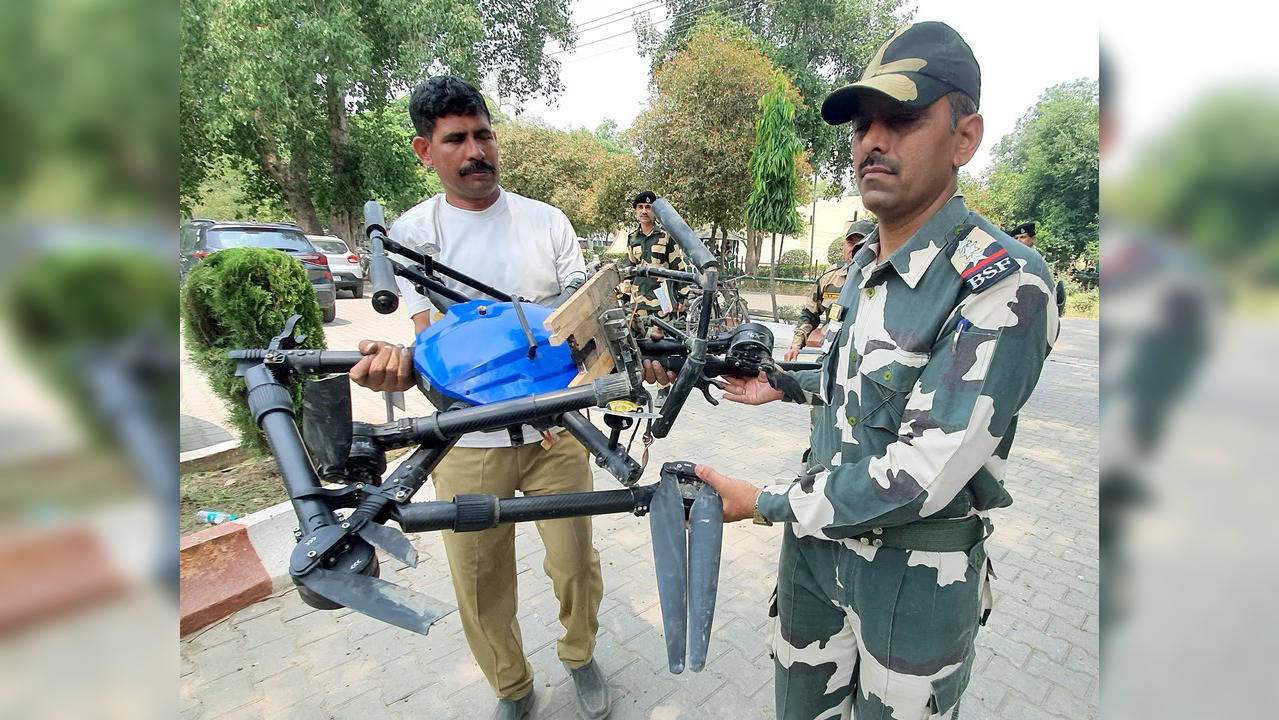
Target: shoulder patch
x=980 y=260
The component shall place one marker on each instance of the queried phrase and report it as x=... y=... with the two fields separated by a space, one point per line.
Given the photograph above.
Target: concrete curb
x=230 y=566
x=213 y=457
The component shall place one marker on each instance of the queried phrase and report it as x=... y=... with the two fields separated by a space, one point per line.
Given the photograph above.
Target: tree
x=820 y=44
x=276 y=86
x=694 y=140
x=574 y=171
x=774 y=182
x=1045 y=171
x=1211 y=179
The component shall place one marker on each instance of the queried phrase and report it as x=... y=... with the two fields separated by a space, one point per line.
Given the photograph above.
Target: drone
x=497 y=361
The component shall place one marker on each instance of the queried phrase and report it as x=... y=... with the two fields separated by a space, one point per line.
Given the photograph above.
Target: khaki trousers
x=483 y=563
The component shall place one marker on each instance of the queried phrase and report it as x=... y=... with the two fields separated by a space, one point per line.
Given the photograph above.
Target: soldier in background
x=650 y=246
x=813 y=316
x=935 y=343
x=1024 y=234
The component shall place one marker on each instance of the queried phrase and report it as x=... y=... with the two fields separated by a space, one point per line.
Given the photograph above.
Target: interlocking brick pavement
x=1037 y=656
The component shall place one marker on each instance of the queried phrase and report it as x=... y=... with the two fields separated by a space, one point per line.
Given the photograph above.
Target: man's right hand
x=386 y=367
x=750 y=391
x=791 y=354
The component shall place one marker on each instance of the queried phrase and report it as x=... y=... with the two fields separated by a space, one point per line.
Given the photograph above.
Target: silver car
x=348 y=274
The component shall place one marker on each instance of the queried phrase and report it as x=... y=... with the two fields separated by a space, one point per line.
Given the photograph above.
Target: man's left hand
x=738 y=495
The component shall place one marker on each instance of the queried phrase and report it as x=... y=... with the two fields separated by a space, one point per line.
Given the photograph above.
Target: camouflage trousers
x=874 y=633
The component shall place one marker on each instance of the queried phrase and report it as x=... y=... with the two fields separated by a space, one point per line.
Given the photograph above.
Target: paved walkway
x=1037 y=656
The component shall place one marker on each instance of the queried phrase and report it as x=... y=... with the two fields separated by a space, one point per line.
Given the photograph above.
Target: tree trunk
x=344 y=216
x=713 y=244
x=754 y=244
x=292 y=180
x=344 y=224
x=772 y=276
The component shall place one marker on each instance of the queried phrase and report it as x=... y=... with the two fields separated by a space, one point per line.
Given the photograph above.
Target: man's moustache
x=880 y=160
x=476 y=166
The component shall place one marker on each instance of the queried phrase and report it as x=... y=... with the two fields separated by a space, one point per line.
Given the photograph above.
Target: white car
x=344 y=264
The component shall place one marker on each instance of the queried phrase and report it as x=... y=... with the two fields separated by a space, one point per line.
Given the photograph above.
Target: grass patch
x=243 y=488
x=1083 y=304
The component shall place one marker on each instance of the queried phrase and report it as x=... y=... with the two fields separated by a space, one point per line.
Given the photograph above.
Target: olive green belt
x=929 y=535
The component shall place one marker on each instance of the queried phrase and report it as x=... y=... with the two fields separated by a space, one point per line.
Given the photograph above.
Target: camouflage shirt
x=926 y=362
x=653 y=250
x=814 y=313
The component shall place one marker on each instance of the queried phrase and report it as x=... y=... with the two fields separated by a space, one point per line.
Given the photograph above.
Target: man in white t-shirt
x=529 y=249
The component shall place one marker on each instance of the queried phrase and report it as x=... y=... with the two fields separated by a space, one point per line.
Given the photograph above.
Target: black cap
x=646 y=196
x=918 y=64
x=1026 y=227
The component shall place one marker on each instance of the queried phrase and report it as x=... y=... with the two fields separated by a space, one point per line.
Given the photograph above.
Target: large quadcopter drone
x=496 y=361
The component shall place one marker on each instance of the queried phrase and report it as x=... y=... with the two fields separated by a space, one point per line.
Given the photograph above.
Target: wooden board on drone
x=577 y=323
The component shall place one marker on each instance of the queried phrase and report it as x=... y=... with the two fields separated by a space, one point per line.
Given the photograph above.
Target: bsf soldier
x=814 y=314
x=1025 y=234
x=935 y=343
x=650 y=246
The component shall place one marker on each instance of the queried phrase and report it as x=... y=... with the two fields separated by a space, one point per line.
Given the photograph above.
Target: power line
x=580 y=27
x=742 y=7
x=738 y=13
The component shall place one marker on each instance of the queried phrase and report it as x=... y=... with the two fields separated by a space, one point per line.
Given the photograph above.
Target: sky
x=1022 y=47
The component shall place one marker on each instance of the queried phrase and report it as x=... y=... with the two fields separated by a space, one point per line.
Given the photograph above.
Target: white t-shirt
x=516 y=245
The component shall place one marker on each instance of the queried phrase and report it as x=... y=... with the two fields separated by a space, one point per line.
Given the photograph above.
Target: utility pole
x=812 y=228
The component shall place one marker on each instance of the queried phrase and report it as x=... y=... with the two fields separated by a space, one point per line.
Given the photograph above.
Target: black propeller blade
x=670 y=558
x=705 y=543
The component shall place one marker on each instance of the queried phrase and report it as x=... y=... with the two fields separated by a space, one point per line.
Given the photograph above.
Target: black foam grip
x=694 y=249
x=267 y=397
x=475 y=512
x=386 y=297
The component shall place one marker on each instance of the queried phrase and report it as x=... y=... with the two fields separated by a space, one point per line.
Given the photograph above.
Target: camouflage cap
x=859 y=227
x=918 y=64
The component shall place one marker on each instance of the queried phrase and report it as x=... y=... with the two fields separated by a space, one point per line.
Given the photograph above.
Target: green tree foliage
x=1045 y=171
x=240 y=298
x=820 y=44
x=574 y=171
x=694 y=140
x=300 y=92
x=774 y=181
x=1212 y=178
x=608 y=136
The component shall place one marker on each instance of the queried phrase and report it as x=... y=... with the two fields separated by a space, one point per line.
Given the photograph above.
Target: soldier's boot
x=514 y=709
x=593 y=698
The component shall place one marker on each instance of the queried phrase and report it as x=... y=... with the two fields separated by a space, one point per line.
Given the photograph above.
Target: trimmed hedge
x=68 y=307
x=237 y=299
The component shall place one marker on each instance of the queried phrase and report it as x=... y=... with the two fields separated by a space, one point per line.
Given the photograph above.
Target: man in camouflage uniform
x=934 y=344
x=814 y=313
x=650 y=246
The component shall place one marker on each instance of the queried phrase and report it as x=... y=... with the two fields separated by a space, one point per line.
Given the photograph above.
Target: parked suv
x=348 y=273
x=199 y=238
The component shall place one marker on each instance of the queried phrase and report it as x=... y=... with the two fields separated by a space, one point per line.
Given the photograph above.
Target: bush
x=792 y=272
x=608 y=257
x=72 y=306
x=835 y=253
x=796 y=257
x=240 y=298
